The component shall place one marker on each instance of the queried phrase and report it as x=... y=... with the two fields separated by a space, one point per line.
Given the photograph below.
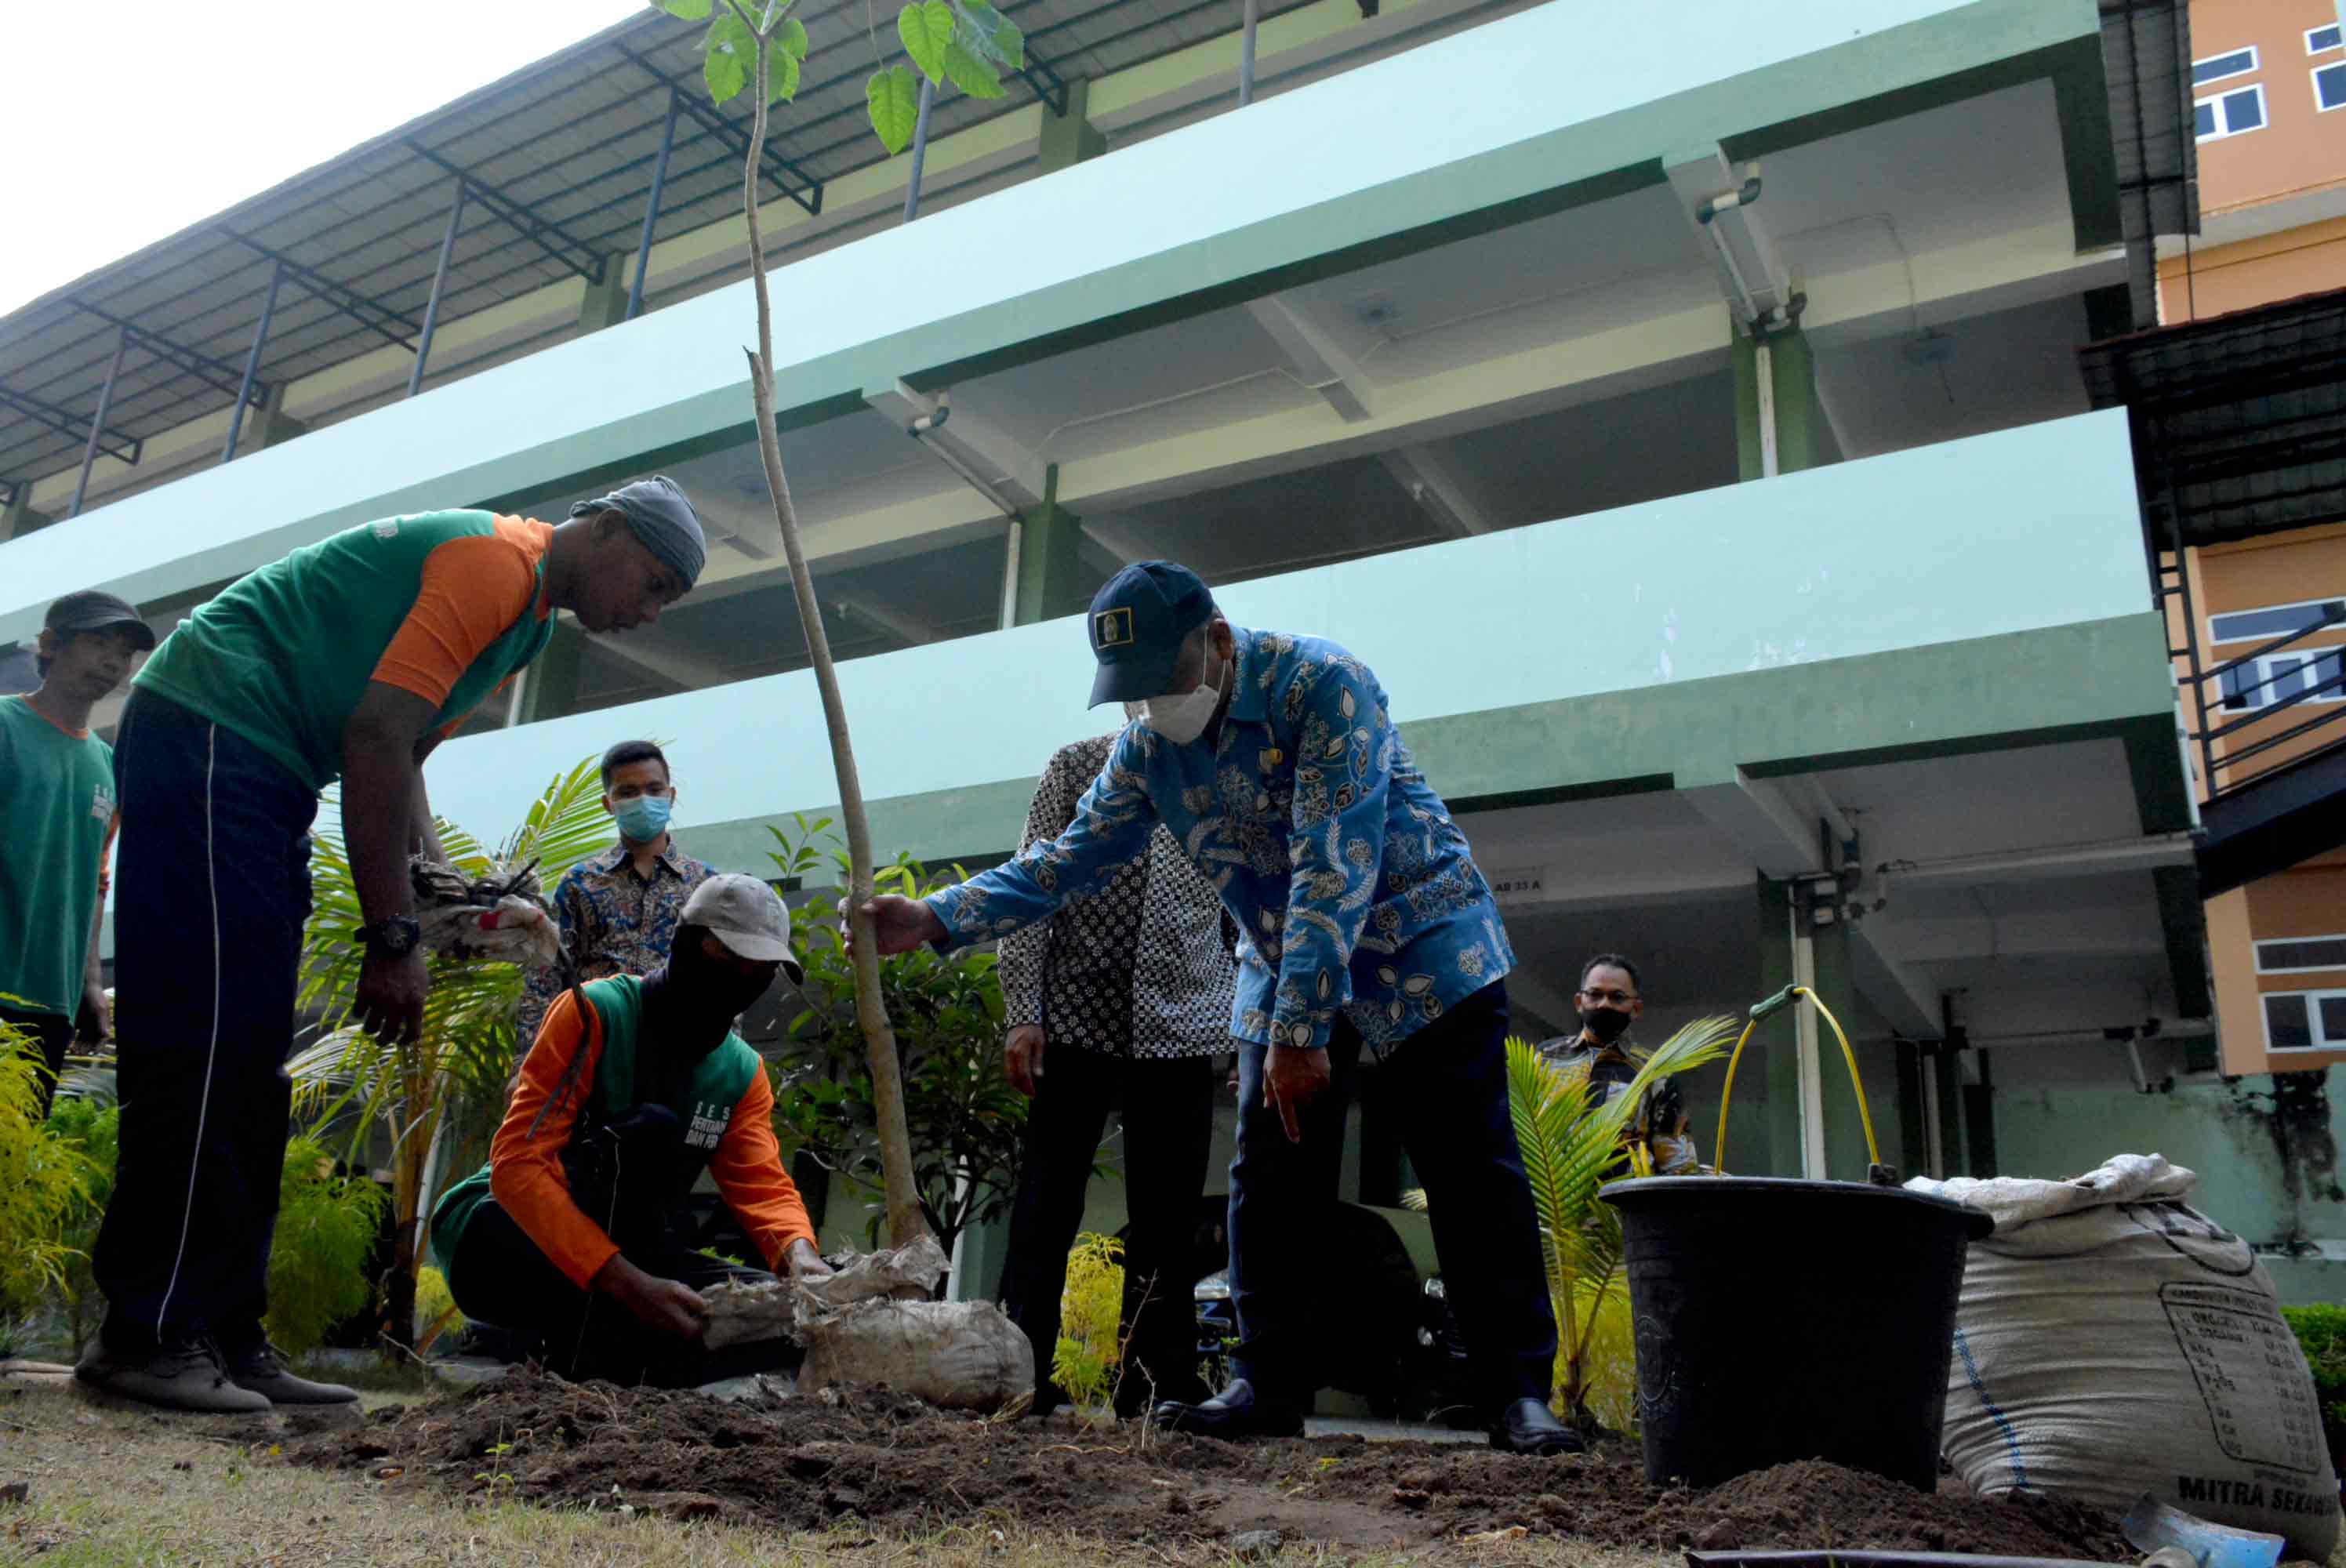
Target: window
x=2223 y=67
x=2234 y=113
x=2330 y=88
x=2293 y=955
x=2274 y=621
x=2321 y=40
x=2305 y=1021
x=2317 y=675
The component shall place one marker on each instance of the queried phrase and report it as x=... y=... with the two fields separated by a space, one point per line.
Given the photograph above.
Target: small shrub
x=326 y=1226
x=436 y=1308
x=96 y=1129
x=2322 y=1331
x=1091 y=1313
x=46 y=1183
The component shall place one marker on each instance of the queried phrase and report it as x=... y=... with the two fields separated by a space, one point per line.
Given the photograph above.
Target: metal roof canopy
x=2239 y=420
x=557 y=163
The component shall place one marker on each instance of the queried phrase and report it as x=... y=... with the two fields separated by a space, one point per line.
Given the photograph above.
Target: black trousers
x=211 y=889
x=1168 y=1128
x=1448 y=1086
x=500 y=1278
x=53 y=1035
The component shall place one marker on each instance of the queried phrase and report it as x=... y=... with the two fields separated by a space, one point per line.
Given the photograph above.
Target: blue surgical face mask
x=643 y=819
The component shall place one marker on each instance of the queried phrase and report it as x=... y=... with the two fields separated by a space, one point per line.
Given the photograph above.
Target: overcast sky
x=128 y=121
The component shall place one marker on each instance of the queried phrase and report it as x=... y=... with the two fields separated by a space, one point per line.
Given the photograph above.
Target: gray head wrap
x=661 y=519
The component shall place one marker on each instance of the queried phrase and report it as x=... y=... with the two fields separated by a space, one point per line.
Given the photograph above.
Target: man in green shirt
x=57 y=795
x=351 y=658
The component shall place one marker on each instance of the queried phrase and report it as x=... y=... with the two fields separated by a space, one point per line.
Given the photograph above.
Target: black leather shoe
x=1235 y=1412
x=1527 y=1426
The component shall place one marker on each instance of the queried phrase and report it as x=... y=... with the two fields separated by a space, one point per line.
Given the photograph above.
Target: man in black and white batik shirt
x=1120 y=1000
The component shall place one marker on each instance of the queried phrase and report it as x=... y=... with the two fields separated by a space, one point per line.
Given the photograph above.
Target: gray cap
x=663 y=522
x=95 y=610
x=747 y=916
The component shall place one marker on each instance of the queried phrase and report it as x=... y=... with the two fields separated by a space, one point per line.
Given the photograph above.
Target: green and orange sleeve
x=525 y=1174
x=474 y=588
x=747 y=1165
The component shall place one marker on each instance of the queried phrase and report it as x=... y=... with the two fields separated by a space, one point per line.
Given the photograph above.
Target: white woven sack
x=2113 y=1340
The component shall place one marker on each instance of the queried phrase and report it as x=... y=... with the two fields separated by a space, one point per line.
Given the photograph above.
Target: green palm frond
x=1572 y=1139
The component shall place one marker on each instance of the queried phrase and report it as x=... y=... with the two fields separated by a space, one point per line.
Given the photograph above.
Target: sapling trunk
x=904 y=1222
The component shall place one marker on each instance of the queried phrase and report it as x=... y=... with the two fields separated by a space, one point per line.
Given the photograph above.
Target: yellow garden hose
x=1777 y=1003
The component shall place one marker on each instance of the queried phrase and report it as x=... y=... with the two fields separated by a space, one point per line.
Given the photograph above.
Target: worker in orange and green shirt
x=348 y=660
x=575 y=1236
x=57 y=795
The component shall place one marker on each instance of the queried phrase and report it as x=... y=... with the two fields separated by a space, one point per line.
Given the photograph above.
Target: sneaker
x=261 y=1369
x=188 y=1376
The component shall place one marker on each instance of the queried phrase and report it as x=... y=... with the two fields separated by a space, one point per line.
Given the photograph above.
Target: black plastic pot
x=1779 y=1319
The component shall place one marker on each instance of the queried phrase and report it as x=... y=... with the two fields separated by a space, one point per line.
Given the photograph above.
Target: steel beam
x=65 y=421
x=523 y=216
x=1245 y=52
x=98 y=422
x=372 y=314
x=439 y=285
x=253 y=361
x=217 y=373
x=919 y=151
x=652 y=208
x=807 y=192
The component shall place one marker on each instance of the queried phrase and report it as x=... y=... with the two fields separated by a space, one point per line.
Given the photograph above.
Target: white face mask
x=1181 y=720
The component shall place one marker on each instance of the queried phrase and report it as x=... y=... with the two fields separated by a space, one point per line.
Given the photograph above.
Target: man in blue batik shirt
x=1273 y=761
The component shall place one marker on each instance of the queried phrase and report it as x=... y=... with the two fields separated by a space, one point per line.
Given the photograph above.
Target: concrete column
x=1048 y=560
x=1069 y=139
x=606 y=298
x=1768 y=1142
x=551 y=689
x=18 y=518
x=269 y=423
x=1952 y=1144
x=1799 y=423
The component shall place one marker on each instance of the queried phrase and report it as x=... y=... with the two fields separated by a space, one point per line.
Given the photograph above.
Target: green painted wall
x=1520 y=115
x=2272 y=1176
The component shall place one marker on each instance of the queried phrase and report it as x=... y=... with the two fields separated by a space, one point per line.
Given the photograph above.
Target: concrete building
x=1683 y=417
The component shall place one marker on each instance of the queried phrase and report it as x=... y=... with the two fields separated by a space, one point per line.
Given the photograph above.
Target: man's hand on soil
x=1022 y=1056
x=669 y=1305
x=805 y=1262
x=391 y=989
x=900 y=923
x=1291 y=1078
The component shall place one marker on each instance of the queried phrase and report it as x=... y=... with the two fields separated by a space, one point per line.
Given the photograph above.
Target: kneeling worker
x=575 y=1233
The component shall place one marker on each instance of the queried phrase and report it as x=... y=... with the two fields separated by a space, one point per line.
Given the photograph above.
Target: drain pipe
x=1246 y=52
x=1010 y=572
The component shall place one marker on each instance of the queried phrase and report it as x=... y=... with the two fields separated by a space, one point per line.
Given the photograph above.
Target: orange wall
x=2310 y=900
x=2307 y=259
x=2299 y=149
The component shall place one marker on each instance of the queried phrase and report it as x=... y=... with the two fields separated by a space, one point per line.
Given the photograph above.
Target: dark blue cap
x=1137 y=623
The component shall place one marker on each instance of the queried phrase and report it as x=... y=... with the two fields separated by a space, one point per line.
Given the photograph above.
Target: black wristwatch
x=392 y=938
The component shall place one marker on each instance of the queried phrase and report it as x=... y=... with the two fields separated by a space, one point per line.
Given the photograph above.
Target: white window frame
x=2223 y=132
x=2216 y=639
x=2266 y=669
x=2264 y=968
x=2314 y=79
x=2255 y=63
x=2313 y=48
x=2314 y=999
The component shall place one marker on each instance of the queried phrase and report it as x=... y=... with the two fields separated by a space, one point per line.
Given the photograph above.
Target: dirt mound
x=892 y=1461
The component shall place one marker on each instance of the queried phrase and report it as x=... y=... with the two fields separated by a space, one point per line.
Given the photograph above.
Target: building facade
x=1682 y=417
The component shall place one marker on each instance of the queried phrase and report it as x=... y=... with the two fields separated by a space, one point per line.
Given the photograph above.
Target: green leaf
x=686 y=10
x=781 y=75
x=729 y=48
x=927 y=30
x=790 y=38
x=991 y=34
x=894 y=97
x=972 y=72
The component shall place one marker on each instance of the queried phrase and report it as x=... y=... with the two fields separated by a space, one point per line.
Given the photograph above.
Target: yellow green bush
x=45 y=1187
x=326 y=1225
x=1091 y=1308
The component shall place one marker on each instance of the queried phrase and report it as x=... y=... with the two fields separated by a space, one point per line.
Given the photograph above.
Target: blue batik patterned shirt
x=1354 y=890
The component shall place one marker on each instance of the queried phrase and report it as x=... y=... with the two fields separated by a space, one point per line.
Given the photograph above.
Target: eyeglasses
x=1618 y=998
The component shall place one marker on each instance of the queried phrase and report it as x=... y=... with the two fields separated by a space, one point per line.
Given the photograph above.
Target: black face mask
x=1605 y=1024
x=701 y=995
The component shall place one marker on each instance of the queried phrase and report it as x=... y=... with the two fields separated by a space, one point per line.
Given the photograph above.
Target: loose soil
x=891 y=1462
